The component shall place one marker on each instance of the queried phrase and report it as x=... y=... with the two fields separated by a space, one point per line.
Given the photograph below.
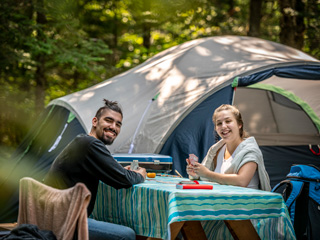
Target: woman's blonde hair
x=235 y=111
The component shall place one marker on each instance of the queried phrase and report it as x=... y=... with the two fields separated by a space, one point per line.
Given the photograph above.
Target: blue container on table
x=151 y=162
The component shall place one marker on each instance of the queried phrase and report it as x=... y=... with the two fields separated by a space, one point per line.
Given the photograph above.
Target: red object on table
x=194 y=186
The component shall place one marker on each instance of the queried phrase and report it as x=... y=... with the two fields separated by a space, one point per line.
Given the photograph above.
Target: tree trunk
x=231 y=9
x=40 y=77
x=300 y=26
x=146 y=28
x=146 y=35
x=287 y=22
x=291 y=23
x=115 y=54
x=255 y=18
x=76 y=76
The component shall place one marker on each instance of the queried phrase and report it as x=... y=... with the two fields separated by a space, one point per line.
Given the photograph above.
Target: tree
x=312 y=42
x=292 y=23
x=255 y=18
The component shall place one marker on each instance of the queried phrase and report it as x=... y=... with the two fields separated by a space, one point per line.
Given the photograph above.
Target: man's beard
x=107 y=140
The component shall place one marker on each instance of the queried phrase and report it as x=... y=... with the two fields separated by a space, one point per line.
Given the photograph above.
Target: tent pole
x=140 y=122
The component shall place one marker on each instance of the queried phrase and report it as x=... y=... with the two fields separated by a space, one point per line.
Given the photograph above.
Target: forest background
x=51 y=48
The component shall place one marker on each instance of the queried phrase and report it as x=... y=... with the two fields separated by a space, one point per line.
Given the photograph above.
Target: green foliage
x=312 y=22
x=46 y=35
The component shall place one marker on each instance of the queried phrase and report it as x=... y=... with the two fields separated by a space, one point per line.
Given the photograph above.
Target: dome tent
x=168 y=102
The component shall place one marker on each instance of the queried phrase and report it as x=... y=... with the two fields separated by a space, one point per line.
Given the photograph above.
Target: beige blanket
x=61 y=211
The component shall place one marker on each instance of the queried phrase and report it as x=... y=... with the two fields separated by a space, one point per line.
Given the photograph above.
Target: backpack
x=301 y=193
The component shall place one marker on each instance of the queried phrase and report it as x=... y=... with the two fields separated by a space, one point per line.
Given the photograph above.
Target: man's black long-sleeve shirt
x=87 y=160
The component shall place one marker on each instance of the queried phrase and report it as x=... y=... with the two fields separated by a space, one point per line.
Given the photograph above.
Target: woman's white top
x=223 y=164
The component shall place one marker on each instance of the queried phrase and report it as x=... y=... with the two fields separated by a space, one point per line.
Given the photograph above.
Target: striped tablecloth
x=149 y=208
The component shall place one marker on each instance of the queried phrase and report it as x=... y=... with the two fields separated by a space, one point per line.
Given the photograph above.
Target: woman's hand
x=190 y=169
x=200 y=170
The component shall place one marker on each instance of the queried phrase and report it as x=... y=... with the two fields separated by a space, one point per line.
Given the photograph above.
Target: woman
x=235 y=159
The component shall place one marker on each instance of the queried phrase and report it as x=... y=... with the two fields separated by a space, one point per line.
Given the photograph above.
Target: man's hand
x=142 y=171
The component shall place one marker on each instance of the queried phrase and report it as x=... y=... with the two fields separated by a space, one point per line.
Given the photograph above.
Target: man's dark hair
x=114 y=106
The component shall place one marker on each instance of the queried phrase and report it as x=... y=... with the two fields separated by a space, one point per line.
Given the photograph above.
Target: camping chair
x=64 y=212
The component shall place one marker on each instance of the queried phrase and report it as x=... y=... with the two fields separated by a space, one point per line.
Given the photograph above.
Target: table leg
x=175 y=229
x=193 y=230
x=242 y=229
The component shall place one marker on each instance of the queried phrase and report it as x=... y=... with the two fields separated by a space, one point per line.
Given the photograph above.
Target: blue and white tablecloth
x=149 y=208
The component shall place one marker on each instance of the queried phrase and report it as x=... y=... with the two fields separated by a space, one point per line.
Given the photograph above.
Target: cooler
x=151 y=162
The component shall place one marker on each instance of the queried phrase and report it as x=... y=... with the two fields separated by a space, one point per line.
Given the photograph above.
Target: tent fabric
x=299 y=83
x=274 y=122
x=184 y=76
x=307 y=90
x=310 y=72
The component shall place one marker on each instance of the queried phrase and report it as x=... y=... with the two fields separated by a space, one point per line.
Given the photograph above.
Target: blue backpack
x=301 y=193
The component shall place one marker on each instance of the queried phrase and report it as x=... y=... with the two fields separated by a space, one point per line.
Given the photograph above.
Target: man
x=86 y=159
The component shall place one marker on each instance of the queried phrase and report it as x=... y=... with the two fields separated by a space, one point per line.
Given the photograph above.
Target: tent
x=168 y=102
